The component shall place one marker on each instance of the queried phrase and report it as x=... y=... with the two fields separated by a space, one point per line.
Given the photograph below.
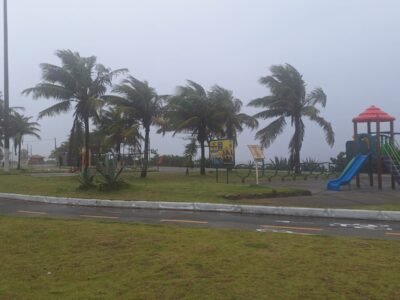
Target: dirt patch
x=272 y=194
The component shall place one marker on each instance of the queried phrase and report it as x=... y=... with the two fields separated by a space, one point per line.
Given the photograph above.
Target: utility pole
x=6 y=94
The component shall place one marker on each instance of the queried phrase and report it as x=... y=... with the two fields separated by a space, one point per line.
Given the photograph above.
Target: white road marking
x=98 y=217
x=362 y=226
x=32 y=212
x=292 y=228
x=282 y=231
x=293 y=222
x=184 y=221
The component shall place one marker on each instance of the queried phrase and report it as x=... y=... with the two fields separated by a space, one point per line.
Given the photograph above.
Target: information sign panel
x=222 y=153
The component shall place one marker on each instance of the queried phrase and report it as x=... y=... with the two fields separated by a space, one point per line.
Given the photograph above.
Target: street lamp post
x=6 y=94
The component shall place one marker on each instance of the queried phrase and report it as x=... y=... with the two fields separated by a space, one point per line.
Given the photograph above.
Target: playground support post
x=378 y=154
x=256 y=171
x=355 y=139
x=393 y=181
x=370 y=168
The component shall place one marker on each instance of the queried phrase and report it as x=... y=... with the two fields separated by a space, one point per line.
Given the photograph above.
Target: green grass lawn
x=392 y=207
x=157 y=187
x=57 y=259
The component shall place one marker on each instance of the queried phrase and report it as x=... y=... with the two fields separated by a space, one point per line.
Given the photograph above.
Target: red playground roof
x=373 y=114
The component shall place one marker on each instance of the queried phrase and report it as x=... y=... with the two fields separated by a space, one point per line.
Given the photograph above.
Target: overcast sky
x=349 y=48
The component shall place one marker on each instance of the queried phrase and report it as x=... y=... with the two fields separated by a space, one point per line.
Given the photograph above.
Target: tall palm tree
x=206 y=115
x=229 y=108
x=192 y=111
x=141 y=103
x=22 y=126
x=78 y=83
x=289 y=100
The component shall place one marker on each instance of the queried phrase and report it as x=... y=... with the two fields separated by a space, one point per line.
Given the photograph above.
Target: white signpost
x=258 y=155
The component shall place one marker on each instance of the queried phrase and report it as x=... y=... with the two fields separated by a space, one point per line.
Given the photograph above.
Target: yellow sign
x=256 y=151
x=222 y=153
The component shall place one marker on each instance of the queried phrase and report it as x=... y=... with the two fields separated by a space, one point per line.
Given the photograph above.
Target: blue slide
x=349 y=172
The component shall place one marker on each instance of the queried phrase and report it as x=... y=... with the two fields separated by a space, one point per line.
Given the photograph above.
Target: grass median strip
x=86 y=259
x=157 y=187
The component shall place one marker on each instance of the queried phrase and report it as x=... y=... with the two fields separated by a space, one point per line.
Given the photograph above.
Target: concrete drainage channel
x=210 y=207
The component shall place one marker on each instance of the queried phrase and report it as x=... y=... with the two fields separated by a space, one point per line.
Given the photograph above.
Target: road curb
x=211 y=207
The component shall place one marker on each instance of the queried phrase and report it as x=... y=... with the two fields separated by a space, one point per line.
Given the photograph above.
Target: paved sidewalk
x=350 y=196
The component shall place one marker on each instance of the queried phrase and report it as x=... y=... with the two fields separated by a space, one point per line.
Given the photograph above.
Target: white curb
x=211 y=207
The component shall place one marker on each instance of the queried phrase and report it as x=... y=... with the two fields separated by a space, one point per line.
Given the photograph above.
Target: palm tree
x=11 y=111
x=141 y=103
x=22 y=126
x=117 y=128
x=78 y=83
x=192 y=111
x=189 y=153
x=229 y=109
x=206 y=115
x=289 y=99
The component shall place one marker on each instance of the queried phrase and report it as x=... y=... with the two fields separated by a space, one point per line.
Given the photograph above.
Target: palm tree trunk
x=146 y=152
x=118 y=150
x=202 y=159
x=87 y=147
x=297 y=146
x=19 y=156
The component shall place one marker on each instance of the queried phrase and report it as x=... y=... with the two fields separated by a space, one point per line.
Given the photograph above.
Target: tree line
x=121 y=112
x=19 y=126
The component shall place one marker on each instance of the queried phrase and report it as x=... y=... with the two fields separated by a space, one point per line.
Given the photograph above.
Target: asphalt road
x=260 y=223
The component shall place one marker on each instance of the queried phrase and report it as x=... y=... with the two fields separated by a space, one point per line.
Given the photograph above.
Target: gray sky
x=350 y=48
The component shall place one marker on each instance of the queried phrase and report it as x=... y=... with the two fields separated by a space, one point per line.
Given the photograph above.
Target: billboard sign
x=222 y=153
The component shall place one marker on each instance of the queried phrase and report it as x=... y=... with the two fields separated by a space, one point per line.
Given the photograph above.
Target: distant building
x=36 y=160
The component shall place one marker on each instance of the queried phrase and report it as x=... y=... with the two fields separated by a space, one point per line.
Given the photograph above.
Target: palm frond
x=55 y=109
x=268 y=134
x=272 y=113
x=49 y=90
x=326 y=127
x=316 y=96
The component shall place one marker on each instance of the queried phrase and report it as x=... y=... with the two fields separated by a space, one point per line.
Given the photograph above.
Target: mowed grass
x=393 y=207
x=58 y=259
x=157 y=187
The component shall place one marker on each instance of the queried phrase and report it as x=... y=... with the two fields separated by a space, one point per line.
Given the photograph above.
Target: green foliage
x=22 y=126
x=280 y=163
x=78 y=84
x=141 y=104
x=110 y=170
x=86 y=179
x=339 y=162
x=312 y=165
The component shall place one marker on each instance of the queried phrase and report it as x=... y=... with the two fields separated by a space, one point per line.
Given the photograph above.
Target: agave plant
x=110 y=170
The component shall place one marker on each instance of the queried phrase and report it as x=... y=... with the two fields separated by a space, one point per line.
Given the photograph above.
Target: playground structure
x=371 y=149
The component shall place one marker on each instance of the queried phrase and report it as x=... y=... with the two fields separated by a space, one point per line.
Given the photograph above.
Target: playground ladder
x=392 y=160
